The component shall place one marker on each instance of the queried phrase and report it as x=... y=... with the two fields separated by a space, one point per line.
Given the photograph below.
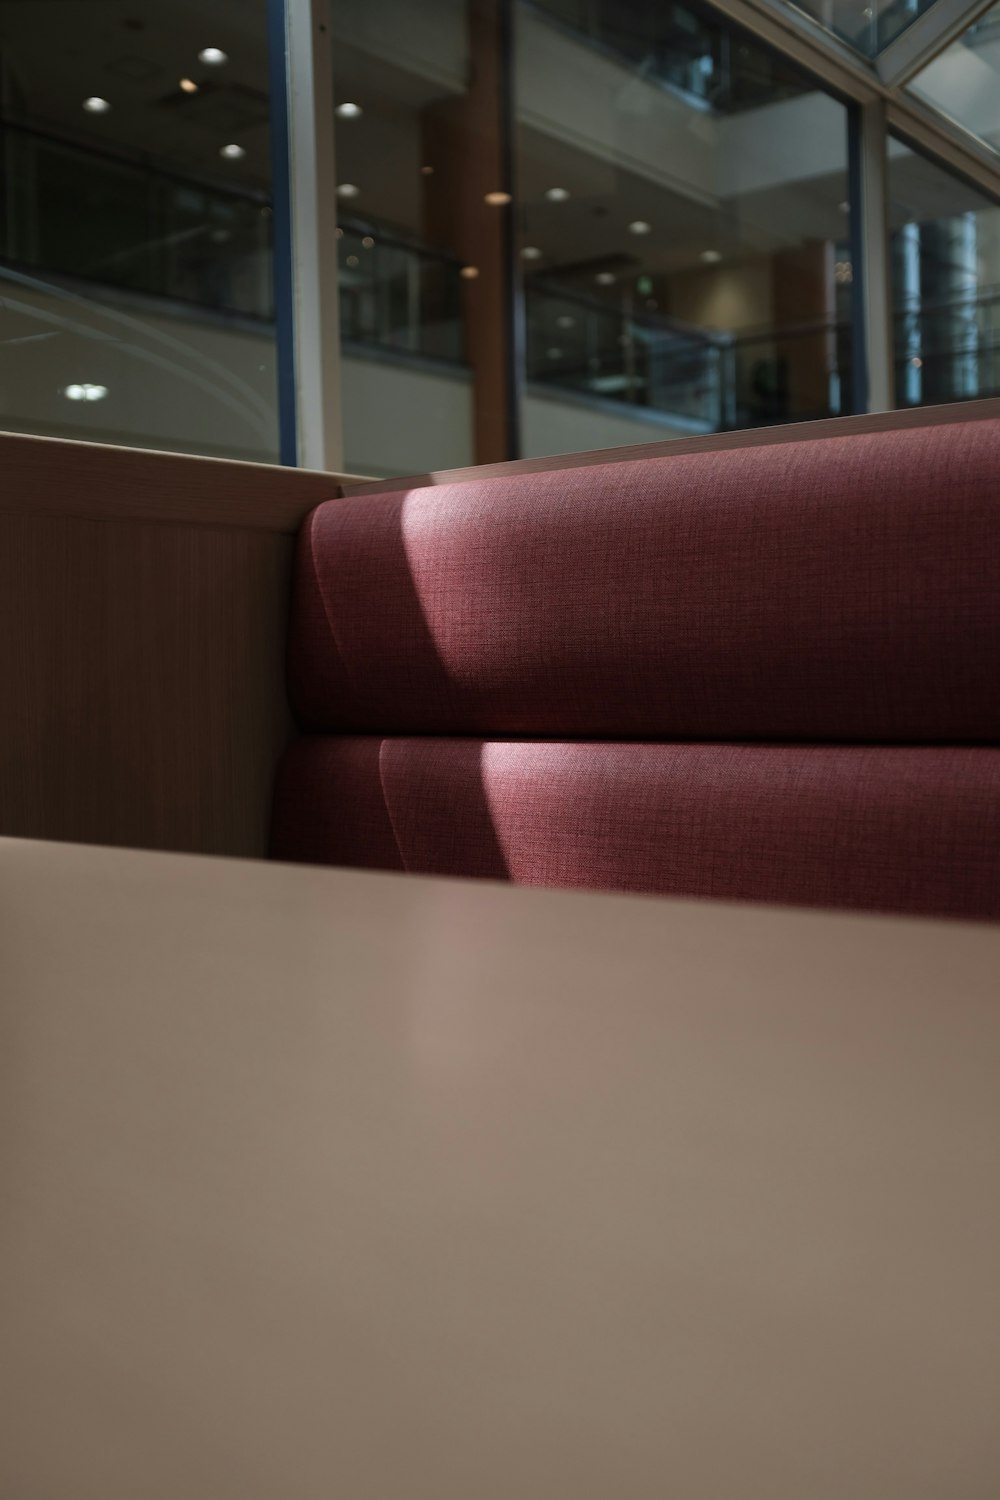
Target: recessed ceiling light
x=469 y=272
x=188 y=86
x=639 y=226
x=531 y=252
x=427 y=171
x=557 y=194
x=233 y=152
x=213 y=56
x=710 y=257
x=844 y=207
x=85 y=392
x=352 y=260
x=347 y=190
x=347 y=110
x=96 y=106
x=553 y=353
x=368 y=242
x=339 y=232
x=566 y=321
x=605 y=278
x=496 y=200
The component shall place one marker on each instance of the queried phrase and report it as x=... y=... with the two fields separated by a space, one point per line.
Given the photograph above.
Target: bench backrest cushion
x=769 y=673
x=845 y=588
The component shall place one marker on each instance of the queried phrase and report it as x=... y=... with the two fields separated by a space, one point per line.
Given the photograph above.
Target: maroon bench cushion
x=846 y=588
x=884 y=828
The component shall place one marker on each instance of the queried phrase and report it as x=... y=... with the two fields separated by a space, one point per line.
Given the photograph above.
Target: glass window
x=868 y=25
x=684 y=228
x=945 y=239
x=631 y=211
x=135 y=240
x=963 y=82
x=421 y=254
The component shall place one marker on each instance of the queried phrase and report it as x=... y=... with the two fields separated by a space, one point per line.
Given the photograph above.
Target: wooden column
x=804 y=295
x=466 y=145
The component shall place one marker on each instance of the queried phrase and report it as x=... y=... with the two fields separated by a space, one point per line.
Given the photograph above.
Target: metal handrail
x=139 y=162
x=394 y=239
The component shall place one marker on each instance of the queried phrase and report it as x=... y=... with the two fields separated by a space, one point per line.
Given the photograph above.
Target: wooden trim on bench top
x=752 y=437
x=94 y=481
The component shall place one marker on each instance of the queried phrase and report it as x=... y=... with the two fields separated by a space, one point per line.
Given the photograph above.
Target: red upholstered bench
x=770 y=673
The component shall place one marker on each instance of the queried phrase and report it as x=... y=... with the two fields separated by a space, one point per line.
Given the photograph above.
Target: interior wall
x=577 y=95
x=962 y=83
x=725 y=297
x=792 y=141
x=177 y=382
x=404 y=419
x=550 y=425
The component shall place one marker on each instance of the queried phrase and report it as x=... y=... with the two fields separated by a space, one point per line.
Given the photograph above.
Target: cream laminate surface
x=329 y=1184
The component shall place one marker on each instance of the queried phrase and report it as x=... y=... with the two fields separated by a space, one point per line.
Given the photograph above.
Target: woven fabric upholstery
x=882 y=828
x=839 y=589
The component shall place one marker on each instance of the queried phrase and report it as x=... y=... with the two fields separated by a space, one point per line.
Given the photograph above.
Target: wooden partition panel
x=143 y=601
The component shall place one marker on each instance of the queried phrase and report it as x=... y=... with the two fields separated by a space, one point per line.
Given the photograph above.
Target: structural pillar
x=468 y=148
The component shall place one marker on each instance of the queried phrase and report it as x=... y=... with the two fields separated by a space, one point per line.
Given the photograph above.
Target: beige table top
x=318 y=1184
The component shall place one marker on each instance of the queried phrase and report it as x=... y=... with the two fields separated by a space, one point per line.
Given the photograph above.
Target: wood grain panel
x=927 y=416
x=141 y=681
x=53 y=476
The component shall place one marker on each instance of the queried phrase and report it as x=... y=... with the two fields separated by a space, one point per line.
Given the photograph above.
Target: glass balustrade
x=583 y=345
x=78 y=212
x=86 y=215
x=682 y=46
x=397 y=295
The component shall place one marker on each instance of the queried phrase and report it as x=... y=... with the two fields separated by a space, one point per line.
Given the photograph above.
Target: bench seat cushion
x=882 y=828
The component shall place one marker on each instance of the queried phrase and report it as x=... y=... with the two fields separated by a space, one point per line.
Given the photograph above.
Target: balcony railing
x=398 y=295
x=75 y=211
x=679 y=46
x=711 y=379
x=796 y=373
x=590 y=346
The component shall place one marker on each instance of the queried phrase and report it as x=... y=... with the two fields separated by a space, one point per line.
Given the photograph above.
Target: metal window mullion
x=876 y=271
x=305 y=223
